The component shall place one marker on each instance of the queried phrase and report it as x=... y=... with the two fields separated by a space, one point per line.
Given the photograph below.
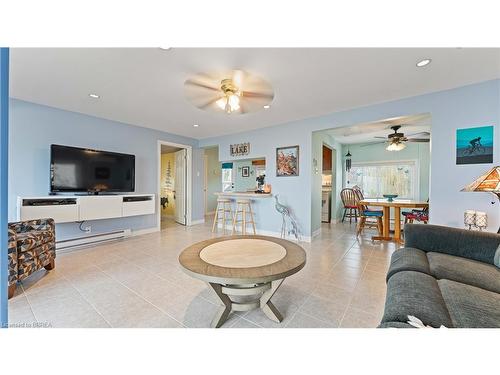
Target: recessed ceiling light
x=196 y=125
x=165 y=48
x=423 y=63
x=94 y=96
x=267 y=106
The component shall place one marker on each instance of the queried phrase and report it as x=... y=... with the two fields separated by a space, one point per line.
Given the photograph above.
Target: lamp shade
x=489 y=181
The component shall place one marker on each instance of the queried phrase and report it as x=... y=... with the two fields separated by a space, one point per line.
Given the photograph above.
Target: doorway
x=327 y=183
x=174 y=190
x=212 y=181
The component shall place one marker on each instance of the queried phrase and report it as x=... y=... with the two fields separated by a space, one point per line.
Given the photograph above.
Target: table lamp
x=489 y=182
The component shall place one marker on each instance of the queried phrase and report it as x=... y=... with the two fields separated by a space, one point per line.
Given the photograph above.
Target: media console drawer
x=60 y=213
x=100 y=207
x=64 y=209
x=139 y=207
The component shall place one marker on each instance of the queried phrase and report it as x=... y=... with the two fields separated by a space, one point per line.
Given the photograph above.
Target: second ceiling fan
x=397 y=141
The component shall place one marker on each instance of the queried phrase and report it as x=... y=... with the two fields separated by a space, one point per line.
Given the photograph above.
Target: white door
x=180 y=186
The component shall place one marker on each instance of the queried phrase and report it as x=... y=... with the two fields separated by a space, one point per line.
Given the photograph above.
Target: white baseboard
x=197 y=222
x=140 y=232
x=317 y=232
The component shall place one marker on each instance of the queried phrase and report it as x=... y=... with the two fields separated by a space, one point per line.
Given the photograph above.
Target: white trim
x=140 y=232
x=189 y=178
x=205 y=182
x=197 y=222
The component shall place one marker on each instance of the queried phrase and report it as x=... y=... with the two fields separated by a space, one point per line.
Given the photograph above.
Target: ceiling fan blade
x=210 y=102
x=238 y=78
x=202 y=85
x=381 y=137
x=242 y=108
x=425 y=134
x=250 y=94
x=422 y=140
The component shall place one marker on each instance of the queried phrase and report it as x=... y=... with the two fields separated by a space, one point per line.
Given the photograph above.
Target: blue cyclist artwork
x=475 y=145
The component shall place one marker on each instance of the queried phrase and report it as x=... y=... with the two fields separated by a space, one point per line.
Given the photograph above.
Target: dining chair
x=349 y=200
x=418 y=215
x=364 y=215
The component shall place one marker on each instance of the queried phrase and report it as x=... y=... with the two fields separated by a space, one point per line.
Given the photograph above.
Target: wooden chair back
x=348 y=197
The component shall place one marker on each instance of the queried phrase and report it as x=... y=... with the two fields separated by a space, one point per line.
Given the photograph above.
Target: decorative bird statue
x=285 y=212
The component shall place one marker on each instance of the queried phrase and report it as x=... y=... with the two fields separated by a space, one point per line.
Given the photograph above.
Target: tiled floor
x=137 y=282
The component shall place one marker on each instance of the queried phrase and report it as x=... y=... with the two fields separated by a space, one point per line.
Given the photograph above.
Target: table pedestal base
x=262 y=294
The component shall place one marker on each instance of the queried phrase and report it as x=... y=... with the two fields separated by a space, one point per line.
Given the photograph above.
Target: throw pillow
x=496 y=259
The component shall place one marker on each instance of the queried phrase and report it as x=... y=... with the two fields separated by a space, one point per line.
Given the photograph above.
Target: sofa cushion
x=30 y=240
x=408 y=259
x=395 y=325
x=418 y=294
x=466 y=271
x=469 y=306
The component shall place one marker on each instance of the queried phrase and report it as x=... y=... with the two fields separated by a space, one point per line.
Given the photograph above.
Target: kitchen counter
x=241 y=194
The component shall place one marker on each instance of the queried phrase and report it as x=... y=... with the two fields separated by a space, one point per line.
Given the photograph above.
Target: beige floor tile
x=138 y=282
x=67 y=311
x=306 y=321
x=20 y=313
x=243 y=323
x=327 y=310
x=355 y=318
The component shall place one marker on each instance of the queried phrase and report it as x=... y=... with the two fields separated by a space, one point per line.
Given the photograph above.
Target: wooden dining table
x=386 y=205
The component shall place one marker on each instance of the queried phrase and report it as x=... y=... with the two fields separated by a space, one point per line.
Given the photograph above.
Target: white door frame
x=189 y=173
x=205 y=184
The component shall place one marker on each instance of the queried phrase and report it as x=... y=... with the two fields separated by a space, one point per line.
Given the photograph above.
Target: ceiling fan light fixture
x=396 y=146
x=229 y=103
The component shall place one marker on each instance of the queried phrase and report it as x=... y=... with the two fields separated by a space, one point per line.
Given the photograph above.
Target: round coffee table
x=250 y=266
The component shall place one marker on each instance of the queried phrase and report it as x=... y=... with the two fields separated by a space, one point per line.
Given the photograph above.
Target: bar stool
x=224 y=207
x=243 y=208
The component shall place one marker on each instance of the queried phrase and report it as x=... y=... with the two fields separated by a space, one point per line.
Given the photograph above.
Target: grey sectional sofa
x=444 y=276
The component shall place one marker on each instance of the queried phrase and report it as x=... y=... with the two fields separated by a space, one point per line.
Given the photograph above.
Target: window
x=377 y=179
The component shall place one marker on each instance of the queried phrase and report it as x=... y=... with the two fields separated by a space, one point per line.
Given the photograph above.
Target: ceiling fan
x=397 y=141
x=234 y=92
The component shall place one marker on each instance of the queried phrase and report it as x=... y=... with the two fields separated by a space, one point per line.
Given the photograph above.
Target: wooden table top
x=383 y=202
x=242 y=259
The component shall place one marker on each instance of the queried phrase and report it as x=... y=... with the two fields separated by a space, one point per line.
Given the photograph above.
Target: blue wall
x=4 y=137
x=34 y=127
x=462 y=107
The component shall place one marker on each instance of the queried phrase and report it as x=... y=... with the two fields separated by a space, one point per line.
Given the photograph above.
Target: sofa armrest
x=12 y=256
x=480 y=246
x=30 y=225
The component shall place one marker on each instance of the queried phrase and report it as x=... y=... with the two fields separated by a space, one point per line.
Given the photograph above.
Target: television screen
x=84 y=170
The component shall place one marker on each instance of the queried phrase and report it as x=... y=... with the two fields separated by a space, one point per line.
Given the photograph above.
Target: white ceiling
x=144 y=86
x=366 y=133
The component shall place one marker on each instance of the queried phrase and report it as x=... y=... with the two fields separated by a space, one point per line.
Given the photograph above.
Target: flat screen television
x=74 y=169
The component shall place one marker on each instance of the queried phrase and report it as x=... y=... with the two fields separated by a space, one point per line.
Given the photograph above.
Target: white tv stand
x=71 y=208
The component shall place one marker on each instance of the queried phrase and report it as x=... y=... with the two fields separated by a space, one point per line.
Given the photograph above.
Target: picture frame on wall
x=245 y=172
x=475 y=145
x=287 y=161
